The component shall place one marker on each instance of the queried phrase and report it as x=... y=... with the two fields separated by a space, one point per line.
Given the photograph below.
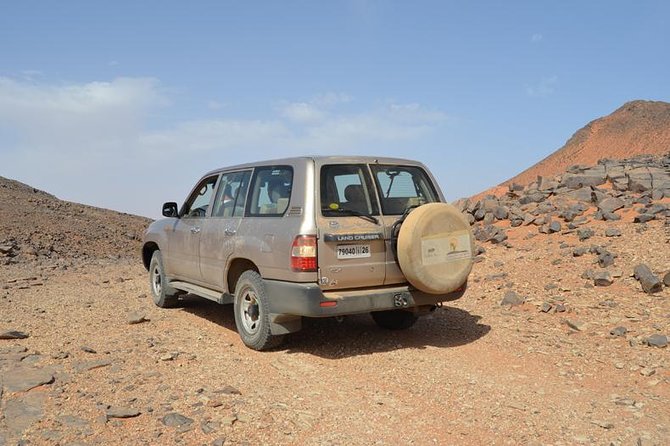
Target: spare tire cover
x=435 y=247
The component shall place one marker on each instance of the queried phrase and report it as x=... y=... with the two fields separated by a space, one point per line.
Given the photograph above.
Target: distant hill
x=37 y=226
x=636 y=128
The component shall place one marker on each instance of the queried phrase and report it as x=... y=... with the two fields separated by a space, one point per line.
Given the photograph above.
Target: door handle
x=229 y=231
x=195 y=230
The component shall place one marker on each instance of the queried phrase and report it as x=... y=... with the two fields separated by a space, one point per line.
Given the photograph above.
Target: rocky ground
x=555 y=342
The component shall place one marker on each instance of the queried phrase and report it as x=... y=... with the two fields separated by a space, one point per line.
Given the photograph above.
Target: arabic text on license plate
x=353 y=251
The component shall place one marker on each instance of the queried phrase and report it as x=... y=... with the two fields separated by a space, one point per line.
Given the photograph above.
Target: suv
x=312 y=237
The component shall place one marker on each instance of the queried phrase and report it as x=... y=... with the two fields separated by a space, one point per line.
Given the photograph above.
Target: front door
x=182 y=261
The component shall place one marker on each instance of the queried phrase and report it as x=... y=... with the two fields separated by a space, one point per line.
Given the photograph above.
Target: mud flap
x=284 y=323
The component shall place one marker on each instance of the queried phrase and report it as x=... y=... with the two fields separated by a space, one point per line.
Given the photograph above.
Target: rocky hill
x=636 y=128
x=38 y=227
x=635 y=190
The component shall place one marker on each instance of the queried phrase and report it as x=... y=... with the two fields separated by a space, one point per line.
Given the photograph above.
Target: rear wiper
x=354 y=213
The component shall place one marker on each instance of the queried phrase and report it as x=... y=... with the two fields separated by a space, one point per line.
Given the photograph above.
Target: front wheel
x=252 y=314
x=162 y=293
x=394 y=319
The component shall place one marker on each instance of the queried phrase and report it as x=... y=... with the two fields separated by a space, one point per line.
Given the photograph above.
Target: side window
x=270 y=191
x=401 y=187
x=198 y=203
x=346 y=188
x=231 y=195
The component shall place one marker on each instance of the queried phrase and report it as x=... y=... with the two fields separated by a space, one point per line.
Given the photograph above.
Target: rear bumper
x=307 y=299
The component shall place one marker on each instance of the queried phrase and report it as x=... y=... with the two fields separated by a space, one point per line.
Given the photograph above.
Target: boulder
x=650 y=283
x=610 y=204
x=576 y=181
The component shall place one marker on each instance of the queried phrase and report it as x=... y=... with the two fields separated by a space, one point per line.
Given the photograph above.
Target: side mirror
x=170 y=209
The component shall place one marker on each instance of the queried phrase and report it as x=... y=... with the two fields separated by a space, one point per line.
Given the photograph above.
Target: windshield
x=401 y=187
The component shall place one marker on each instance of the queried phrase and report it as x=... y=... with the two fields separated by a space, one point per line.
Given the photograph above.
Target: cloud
x=544 y=88
x=215 y=105
x=536 y=37
x=103 y=143
x=302 y=112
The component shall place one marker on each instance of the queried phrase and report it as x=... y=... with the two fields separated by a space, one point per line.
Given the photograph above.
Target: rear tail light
x=303 y=254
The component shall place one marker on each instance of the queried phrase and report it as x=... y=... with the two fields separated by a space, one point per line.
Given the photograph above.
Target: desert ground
x=102 y=365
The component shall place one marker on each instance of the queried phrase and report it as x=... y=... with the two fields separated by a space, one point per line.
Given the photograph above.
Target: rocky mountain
x=636 y=128
x=36 y=226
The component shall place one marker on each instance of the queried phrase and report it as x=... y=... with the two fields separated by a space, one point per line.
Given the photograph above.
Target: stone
x=584 y=234
x=208 y=427
x=23 y=379
x=500 y=212
x=22 y=412
x=175 y=419
x=657 y=340
x=546 y=307
x=643 y=218
x=610 y=204
x=122 y=412
x=602 y=278
x=137 y=317
x=91 y=365
x=578 y=252
x=575 y=325
x=87 y=349
x=576 y=181
x=656 y=209
x=13 y=334
x=554 y=226
x=228 y=390
x=219 y=441
x=619 y=331
x=610 y=216
x=650 y=283
x=603 y=424
x=512 y=299
x=666 y=279
x=588 y=274
x=612 y=232
x=605 y=259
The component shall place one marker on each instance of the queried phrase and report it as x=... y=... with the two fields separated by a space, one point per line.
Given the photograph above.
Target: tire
x=252 y=313
x=394 y=319
x=435 y=246
x=163 y=294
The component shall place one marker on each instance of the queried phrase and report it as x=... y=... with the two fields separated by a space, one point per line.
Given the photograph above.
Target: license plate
x=353 y=251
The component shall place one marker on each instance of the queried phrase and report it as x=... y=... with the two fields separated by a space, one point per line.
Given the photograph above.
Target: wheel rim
x=156 y=281
x=250 y=311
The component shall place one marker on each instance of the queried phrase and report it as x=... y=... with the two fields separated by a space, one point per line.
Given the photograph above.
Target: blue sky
x=125 y=104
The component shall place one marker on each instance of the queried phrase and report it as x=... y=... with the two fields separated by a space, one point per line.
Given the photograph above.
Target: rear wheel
x=252 y=313
x=394 y=319
x=163 y=294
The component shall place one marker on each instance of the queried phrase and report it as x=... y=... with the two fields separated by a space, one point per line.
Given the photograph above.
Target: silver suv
x=312 y=237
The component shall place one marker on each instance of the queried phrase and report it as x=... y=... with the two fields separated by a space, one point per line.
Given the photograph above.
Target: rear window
x=347 y=189
x=400 y=187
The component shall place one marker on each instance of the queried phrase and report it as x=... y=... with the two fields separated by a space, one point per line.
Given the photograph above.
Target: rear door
x=400 y=187
x=351 y=247
x=219 y=232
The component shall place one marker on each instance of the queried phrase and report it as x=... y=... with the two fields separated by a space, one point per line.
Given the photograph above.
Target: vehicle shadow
x=358 y=335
